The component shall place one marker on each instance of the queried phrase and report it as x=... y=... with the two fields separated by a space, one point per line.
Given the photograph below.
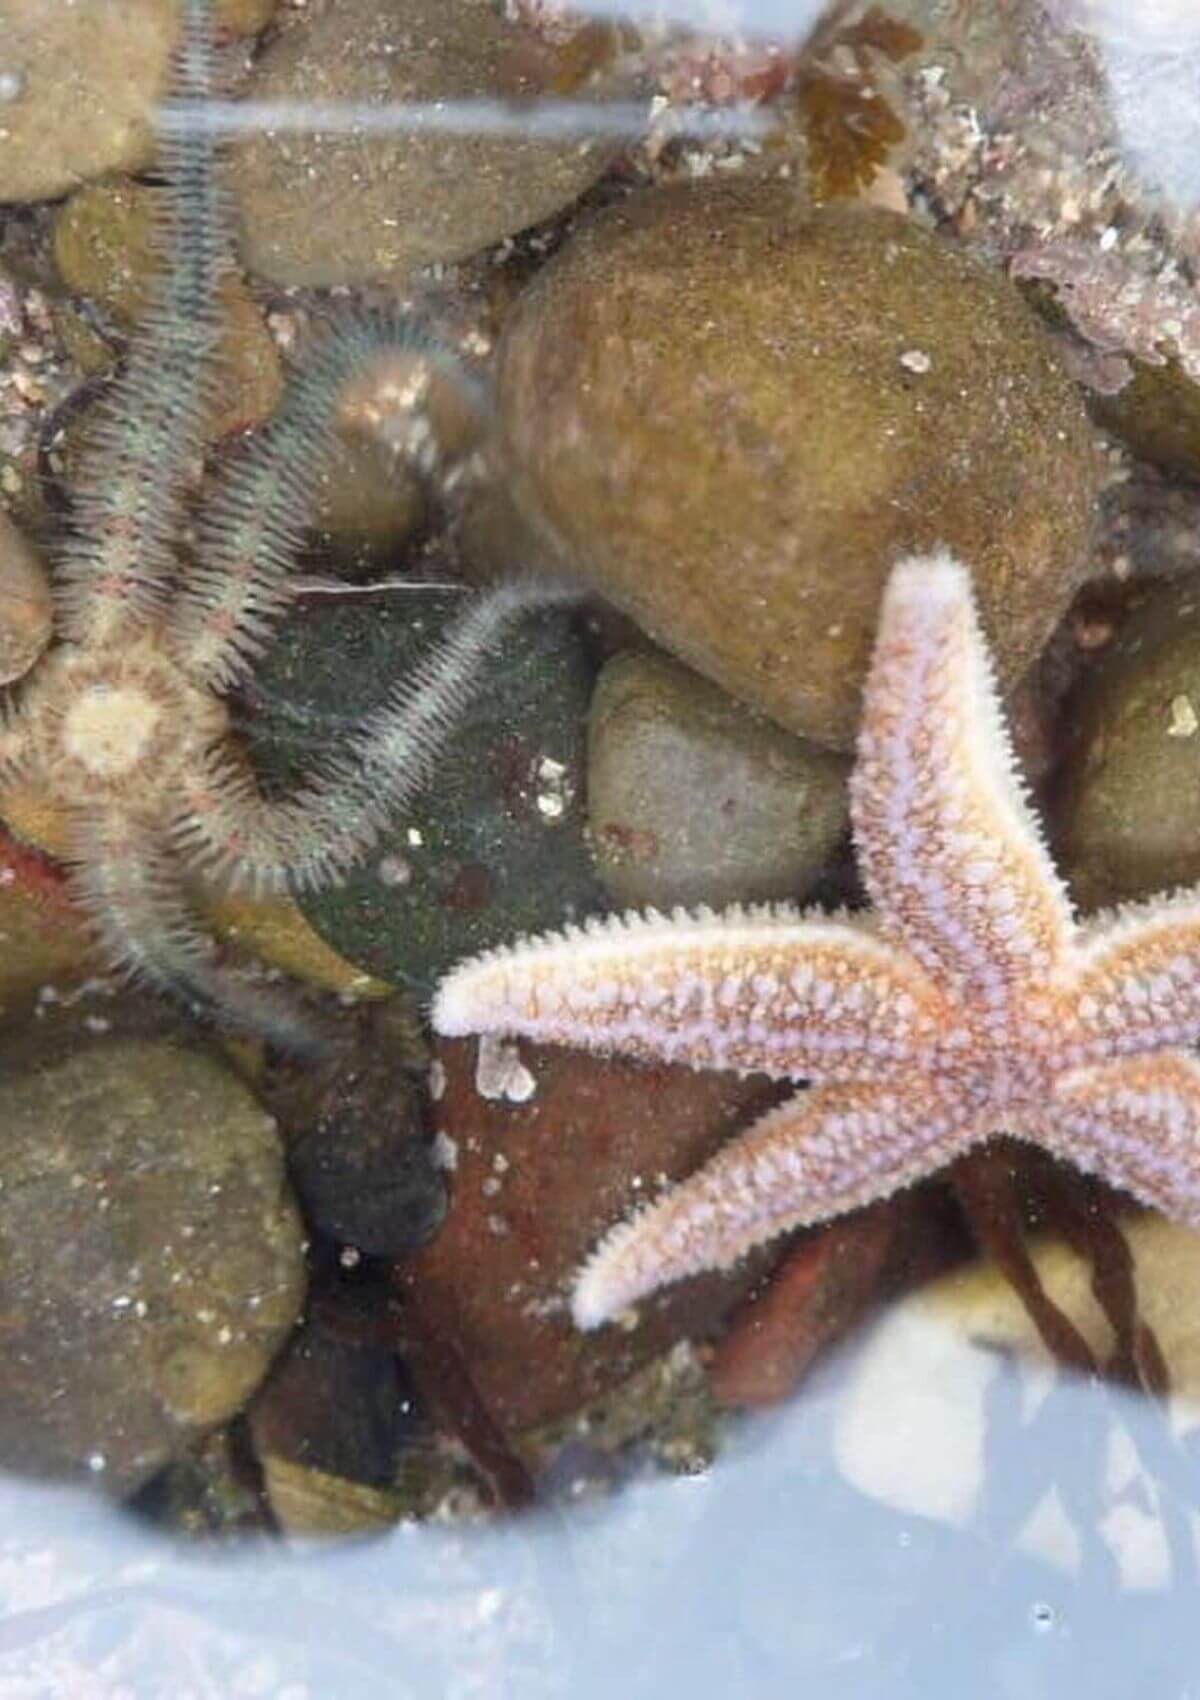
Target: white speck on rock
x=1183 y=722
x=499 y=1072
x=445 y=1152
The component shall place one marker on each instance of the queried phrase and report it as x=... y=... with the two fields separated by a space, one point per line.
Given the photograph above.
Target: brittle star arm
x=133 y=893
x=235 y=835
x=949 y=849
x=822 y=1153
x=1137 y=984
x=120 y=564
x=772 y=990
x=250 y=534
x=1135 y=1123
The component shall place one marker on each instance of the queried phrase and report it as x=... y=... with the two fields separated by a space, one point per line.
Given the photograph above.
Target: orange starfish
x=966 y=1002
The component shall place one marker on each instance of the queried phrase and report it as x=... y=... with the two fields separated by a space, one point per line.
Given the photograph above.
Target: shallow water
x=936 y=1507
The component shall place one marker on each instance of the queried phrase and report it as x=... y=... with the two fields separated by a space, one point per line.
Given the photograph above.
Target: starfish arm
x=1136 y=986
x=948 y=846
x=236 y=836
x=250 y=534
x=133 y=894
x=758 y=989
x=130 y=508
x=1135 y=1123
x=822 y=1153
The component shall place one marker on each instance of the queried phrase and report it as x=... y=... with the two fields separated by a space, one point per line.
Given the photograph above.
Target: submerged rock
x=548 y=1149
x=1128 y=810
x=359 y=1154
x=493 y=843
x=150 y=1256
x=692 y=799
x=952 y=1410
x=319 y=208
x=106 y=247
x=330 y=1428
x=81 y=86
x=26 y=611
x=731 y=416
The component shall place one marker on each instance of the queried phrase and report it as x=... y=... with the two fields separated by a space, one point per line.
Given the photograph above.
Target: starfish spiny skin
x=967 y=1002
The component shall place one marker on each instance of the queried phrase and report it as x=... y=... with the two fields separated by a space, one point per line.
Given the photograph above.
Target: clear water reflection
x=992 y=1534
x=769 y=1572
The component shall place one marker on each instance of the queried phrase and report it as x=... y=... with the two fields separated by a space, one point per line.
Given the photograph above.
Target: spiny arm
x=236 y=836
x=950 y=851
x=132 y=891
x=1134 y=1123
x=1137 y=984
x=120 y=564
x=821 y=1154
x=250 y=534
x=765 y=989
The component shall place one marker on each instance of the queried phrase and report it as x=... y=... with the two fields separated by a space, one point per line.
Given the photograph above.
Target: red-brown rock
x=535 y=1186
x=823 y=1288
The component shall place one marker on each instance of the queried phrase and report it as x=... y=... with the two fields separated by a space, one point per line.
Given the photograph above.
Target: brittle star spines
x=250 y=532
x=240 y=838
x=121 y=728
x=119 y=566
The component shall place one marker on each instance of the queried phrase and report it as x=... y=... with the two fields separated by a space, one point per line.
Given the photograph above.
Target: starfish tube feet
x=1136 y=1124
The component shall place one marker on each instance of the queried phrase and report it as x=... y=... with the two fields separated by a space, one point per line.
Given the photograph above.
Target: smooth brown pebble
x=26 y=609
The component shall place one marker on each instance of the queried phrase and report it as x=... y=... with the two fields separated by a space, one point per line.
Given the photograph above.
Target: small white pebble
x=1183 y=722
x=916 y=360
x=444 y=1152
x=499 y=1072
x=394 y=871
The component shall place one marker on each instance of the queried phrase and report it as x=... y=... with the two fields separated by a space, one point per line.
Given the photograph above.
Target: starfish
x=967 y=1001
x=122 y=728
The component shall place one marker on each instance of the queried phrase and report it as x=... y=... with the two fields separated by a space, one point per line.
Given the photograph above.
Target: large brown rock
x=731 y=416
x=85 y=80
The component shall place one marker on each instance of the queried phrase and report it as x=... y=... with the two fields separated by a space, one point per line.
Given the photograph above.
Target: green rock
x=494 y=844
x=733 y=416
x=1128 y=809
x=693 y=799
